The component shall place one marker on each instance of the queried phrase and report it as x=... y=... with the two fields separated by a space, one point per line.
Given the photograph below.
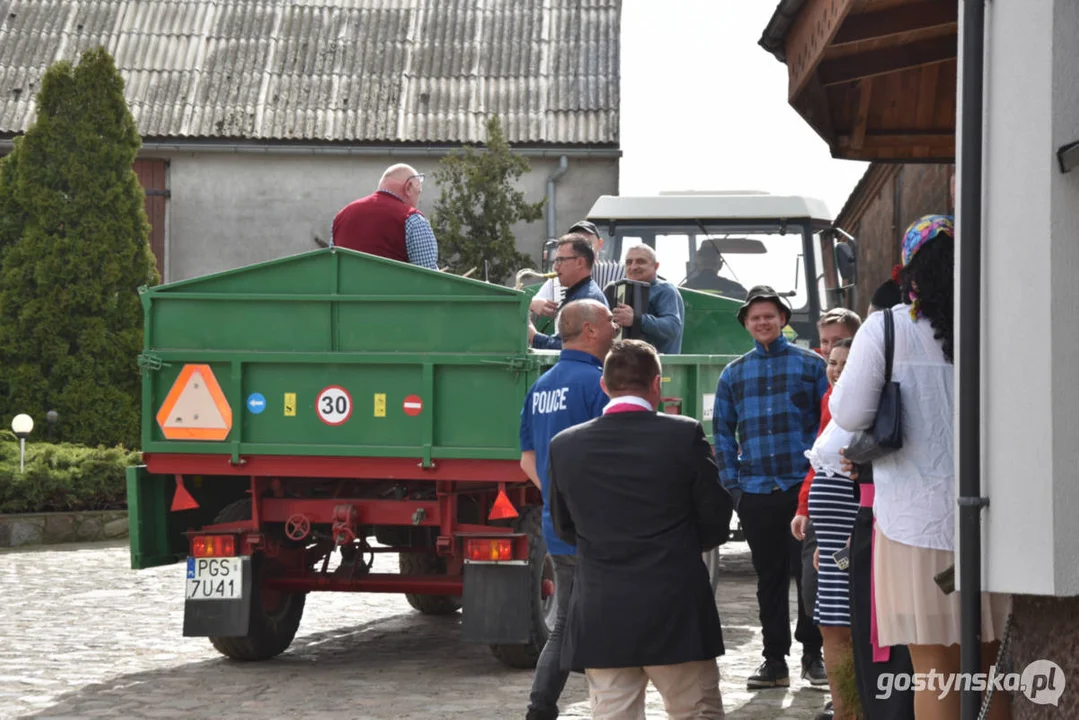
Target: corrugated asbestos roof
x=417 y=71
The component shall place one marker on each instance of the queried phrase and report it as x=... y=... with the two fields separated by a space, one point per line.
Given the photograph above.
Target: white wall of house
x=1030 y=331
x=228 y=210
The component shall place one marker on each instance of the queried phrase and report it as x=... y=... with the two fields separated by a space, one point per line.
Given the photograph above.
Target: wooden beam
x=896 y=155
x=889 y=60
x=812 y=105
x=898 y=139
x=897 y=20
x=865 y=94
x=809 y=36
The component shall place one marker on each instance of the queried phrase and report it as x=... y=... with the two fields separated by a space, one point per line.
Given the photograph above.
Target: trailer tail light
x=489 y=549
x=213 y=546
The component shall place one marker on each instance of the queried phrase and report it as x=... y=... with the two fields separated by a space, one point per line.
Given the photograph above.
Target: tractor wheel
x=427 y=564
x=275 y=615
x=544 y=607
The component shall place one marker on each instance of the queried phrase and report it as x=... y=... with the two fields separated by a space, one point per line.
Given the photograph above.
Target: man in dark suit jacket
x=638 y=493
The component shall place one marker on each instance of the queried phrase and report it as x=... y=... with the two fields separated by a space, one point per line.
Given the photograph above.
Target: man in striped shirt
x=766 y=415
x=551 y=293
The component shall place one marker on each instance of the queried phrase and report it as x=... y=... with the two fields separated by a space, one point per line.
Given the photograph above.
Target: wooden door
x=153 y=178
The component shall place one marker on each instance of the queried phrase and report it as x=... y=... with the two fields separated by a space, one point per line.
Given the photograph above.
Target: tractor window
x=727 y=263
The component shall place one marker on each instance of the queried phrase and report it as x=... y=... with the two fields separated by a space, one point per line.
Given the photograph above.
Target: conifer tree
x=73 y=252
x=478 y=206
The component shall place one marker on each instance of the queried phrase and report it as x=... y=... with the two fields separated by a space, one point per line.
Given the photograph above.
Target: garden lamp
x=53 y=417
x=22 y=424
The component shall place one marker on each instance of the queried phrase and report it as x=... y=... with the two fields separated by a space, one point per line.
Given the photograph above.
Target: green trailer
x=332 y=405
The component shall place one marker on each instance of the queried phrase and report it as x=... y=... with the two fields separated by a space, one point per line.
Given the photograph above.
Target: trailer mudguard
x=221 y=618
x=496 y=605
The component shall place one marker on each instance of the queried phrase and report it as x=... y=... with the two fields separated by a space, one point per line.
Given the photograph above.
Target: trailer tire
x=526 y=656
x=270 y=631
x=427 y=564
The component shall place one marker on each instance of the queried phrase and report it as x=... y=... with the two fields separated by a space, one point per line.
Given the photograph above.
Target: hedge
x=62 y=477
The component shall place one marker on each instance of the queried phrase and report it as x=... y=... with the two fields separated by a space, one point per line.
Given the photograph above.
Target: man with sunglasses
x=573 y=262
x=386 y=223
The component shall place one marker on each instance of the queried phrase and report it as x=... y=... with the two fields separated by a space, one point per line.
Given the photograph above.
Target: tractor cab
x=725 y=243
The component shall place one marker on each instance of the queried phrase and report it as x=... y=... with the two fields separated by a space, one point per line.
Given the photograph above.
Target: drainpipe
x=968 y=363
x=552 y=213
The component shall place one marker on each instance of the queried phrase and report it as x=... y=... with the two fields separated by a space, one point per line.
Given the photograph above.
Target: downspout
x=552 y=213
x=897 y=210
x=969 y=313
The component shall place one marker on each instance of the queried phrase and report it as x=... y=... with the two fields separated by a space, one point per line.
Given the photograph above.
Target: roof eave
x=774 y=38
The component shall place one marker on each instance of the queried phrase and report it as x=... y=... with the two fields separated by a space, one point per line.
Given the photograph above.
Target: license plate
x=215 y=578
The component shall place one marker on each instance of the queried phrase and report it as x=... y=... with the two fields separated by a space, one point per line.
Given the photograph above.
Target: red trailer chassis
x=301 y=509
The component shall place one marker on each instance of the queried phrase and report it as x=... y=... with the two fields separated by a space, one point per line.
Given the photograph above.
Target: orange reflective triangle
x=182 y=499
x=502 y=508
x=195 y=408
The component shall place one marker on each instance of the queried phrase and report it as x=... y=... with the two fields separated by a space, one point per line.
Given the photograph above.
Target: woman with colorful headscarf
x=914 y=503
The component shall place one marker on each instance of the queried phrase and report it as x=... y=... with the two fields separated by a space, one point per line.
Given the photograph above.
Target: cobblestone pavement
x=81 y=635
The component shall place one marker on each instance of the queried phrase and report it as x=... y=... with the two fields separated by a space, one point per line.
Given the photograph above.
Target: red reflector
x=489 y=549
x=213 y=546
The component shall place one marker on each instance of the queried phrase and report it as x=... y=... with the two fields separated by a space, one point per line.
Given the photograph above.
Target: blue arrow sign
x=256 y=403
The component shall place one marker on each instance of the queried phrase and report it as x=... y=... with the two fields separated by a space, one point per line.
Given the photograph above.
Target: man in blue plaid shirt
x=766 y=415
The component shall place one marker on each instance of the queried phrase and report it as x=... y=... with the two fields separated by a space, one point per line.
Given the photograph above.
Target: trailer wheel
x=275 y=615
x=427 y=564
x=544 y=608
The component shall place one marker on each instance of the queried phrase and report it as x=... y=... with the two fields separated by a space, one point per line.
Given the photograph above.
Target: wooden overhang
x=875 y=78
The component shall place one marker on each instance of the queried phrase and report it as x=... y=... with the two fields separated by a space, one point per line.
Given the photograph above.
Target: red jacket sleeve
x=803 y=494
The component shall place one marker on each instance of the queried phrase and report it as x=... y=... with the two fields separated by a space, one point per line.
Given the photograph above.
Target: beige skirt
x=912 y=609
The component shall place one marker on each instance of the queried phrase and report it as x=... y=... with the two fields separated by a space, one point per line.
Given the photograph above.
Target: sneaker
x=770 y=674
x=813 y=671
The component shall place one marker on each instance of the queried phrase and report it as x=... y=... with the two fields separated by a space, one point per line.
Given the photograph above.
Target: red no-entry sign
x=413 y=405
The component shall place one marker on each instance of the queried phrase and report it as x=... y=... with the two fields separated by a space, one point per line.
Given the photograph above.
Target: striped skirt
x=832 y=508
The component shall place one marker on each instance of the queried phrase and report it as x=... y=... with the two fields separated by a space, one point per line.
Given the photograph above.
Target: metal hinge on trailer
x=516 y=364
x=149 y=362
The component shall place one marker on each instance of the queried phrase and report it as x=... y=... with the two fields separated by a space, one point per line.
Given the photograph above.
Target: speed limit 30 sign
x=333 y=405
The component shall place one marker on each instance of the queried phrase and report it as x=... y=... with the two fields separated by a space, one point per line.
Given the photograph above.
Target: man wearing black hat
x=766 y=415
x=545 y=303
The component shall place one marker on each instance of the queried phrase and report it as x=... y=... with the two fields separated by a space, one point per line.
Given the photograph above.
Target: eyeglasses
x=418 y=176
x=564 y=258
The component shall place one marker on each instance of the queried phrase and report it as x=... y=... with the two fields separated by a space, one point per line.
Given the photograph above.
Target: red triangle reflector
x=502 y=508
x=182 y=499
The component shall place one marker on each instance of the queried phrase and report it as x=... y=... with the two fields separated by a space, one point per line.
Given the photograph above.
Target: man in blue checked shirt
x=566 y=395
x=766 y=415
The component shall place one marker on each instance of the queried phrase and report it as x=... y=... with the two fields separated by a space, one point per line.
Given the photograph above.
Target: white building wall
x=1030 y=335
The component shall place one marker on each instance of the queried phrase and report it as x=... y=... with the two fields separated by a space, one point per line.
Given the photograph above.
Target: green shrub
x=62 y=477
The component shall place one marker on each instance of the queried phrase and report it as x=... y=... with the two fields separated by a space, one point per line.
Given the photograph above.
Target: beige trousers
x=690 y=691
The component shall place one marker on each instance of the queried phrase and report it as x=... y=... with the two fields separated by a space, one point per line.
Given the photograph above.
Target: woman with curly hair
x=914 y=500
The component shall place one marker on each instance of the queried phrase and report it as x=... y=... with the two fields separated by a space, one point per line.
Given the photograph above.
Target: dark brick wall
x=922 y=189
x=1046 y=628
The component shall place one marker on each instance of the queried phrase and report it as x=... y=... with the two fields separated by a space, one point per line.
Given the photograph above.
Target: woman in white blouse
x=914 y=505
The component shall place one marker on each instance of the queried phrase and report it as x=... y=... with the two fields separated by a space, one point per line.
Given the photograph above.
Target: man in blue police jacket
x=661 y=325
x=566 y=395
x=573 y=262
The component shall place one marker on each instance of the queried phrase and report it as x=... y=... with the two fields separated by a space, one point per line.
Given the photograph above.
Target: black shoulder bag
x=887 y=432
